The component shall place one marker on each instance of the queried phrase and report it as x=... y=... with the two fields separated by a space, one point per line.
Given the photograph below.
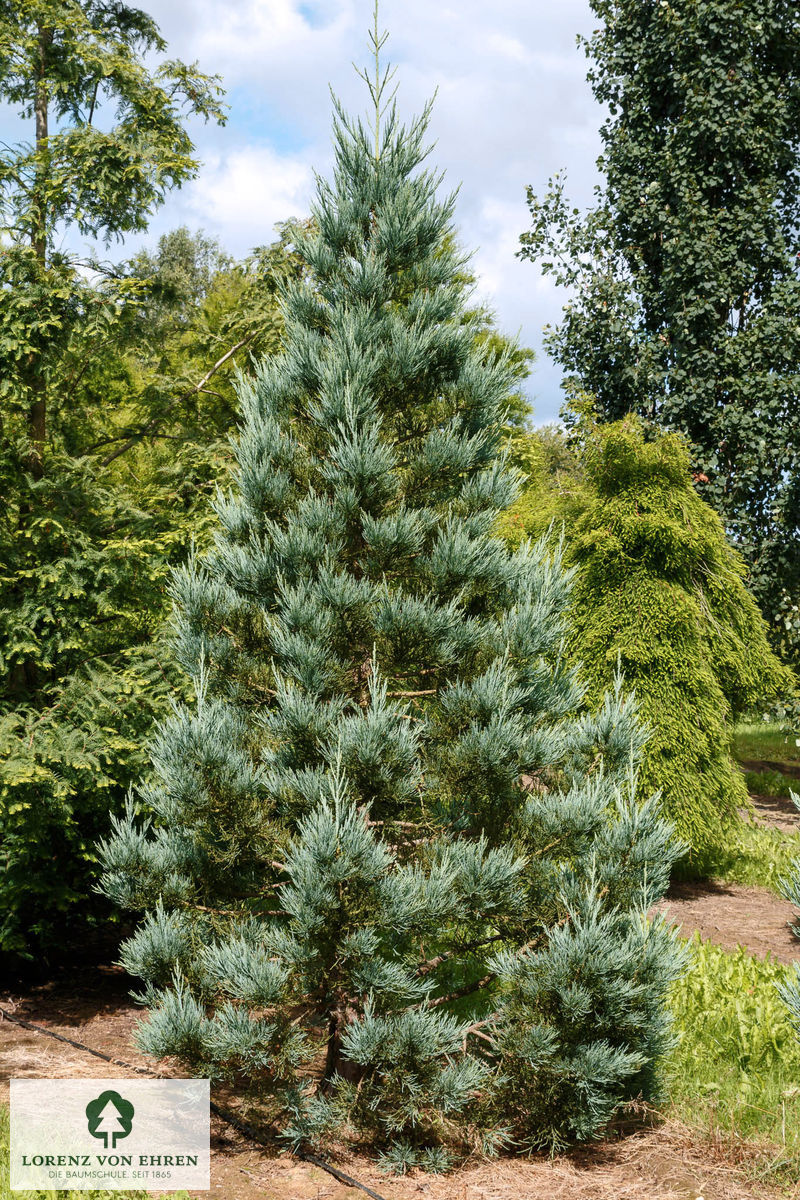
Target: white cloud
x=509 y=47
x=513 y=107
x=239 y=196
x=274 y=49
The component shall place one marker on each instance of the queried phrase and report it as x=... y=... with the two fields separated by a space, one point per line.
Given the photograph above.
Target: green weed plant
x=770 y=783
x=736 y=1067
x=753 y=856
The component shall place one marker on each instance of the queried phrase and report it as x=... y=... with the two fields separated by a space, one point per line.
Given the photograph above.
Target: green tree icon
x=109 y=1116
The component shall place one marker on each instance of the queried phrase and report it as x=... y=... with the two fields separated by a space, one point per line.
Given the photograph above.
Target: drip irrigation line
x=117 y=1062
x=229 y=1118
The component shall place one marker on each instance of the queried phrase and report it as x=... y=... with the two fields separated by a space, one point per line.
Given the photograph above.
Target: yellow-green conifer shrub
x=660 y=593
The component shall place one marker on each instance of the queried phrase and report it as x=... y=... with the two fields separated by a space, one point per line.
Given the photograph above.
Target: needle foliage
x=660 y=594
x=394 y=879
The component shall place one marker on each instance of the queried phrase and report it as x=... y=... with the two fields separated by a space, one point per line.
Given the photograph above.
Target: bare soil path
x=732 y=915
x=778 y=811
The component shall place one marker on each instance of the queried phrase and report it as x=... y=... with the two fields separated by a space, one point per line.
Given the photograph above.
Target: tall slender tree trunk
x=25 y=675
x=37 y=410
x=332 y=1051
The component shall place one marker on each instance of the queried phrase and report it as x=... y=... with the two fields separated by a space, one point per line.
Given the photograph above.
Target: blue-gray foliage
x=394 y=877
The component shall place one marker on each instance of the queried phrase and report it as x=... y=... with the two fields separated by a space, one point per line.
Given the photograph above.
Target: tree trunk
x=332 y=1052
x=37 y=409
x=335 y=1064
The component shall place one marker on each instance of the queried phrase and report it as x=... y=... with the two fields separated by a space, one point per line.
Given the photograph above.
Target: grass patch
x=752 y=855
x=737 y=1065
x=7 y=1194
x=771 y=783
x=766 y=741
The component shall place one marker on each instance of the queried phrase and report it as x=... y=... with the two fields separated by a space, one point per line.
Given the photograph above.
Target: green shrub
x=660 y=593
x=83 y=599
x=768 y=783
x=737 y=1062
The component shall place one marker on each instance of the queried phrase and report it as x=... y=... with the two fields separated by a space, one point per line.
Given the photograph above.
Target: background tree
x=391 y=877
x=659 y=594
x=65 y=64
x=197 y=318
x=82 y=557
x=685 y=303
x=139 y=449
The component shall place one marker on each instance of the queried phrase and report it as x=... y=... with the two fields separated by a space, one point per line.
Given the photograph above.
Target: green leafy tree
x=392 y=876
x=659 y=593
x=86 y=550
x=196 y=318
x=80 y=570
x=67 y=65
x=685 y=289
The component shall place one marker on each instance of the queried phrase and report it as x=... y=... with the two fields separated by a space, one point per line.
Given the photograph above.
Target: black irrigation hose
x=340 y=1175
x=6 y=1016
x=228 y=1118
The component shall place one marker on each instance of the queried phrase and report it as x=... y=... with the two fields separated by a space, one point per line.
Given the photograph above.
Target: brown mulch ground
x=667 y=1162
x=732 y=915
x=779 y=811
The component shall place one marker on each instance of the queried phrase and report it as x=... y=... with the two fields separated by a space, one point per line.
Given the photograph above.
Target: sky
x=512 y=108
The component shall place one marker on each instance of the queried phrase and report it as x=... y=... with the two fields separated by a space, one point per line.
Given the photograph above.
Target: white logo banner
x=119 y=1134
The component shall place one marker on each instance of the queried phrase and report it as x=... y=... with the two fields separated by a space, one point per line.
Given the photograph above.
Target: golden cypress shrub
x=660 y=594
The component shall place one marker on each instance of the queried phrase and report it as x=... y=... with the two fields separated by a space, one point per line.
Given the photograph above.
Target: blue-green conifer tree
x=790 y=886
x=394 y=881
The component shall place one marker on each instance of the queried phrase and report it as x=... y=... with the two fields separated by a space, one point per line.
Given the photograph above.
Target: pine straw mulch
x=668 y=1162
x=664 y=1161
